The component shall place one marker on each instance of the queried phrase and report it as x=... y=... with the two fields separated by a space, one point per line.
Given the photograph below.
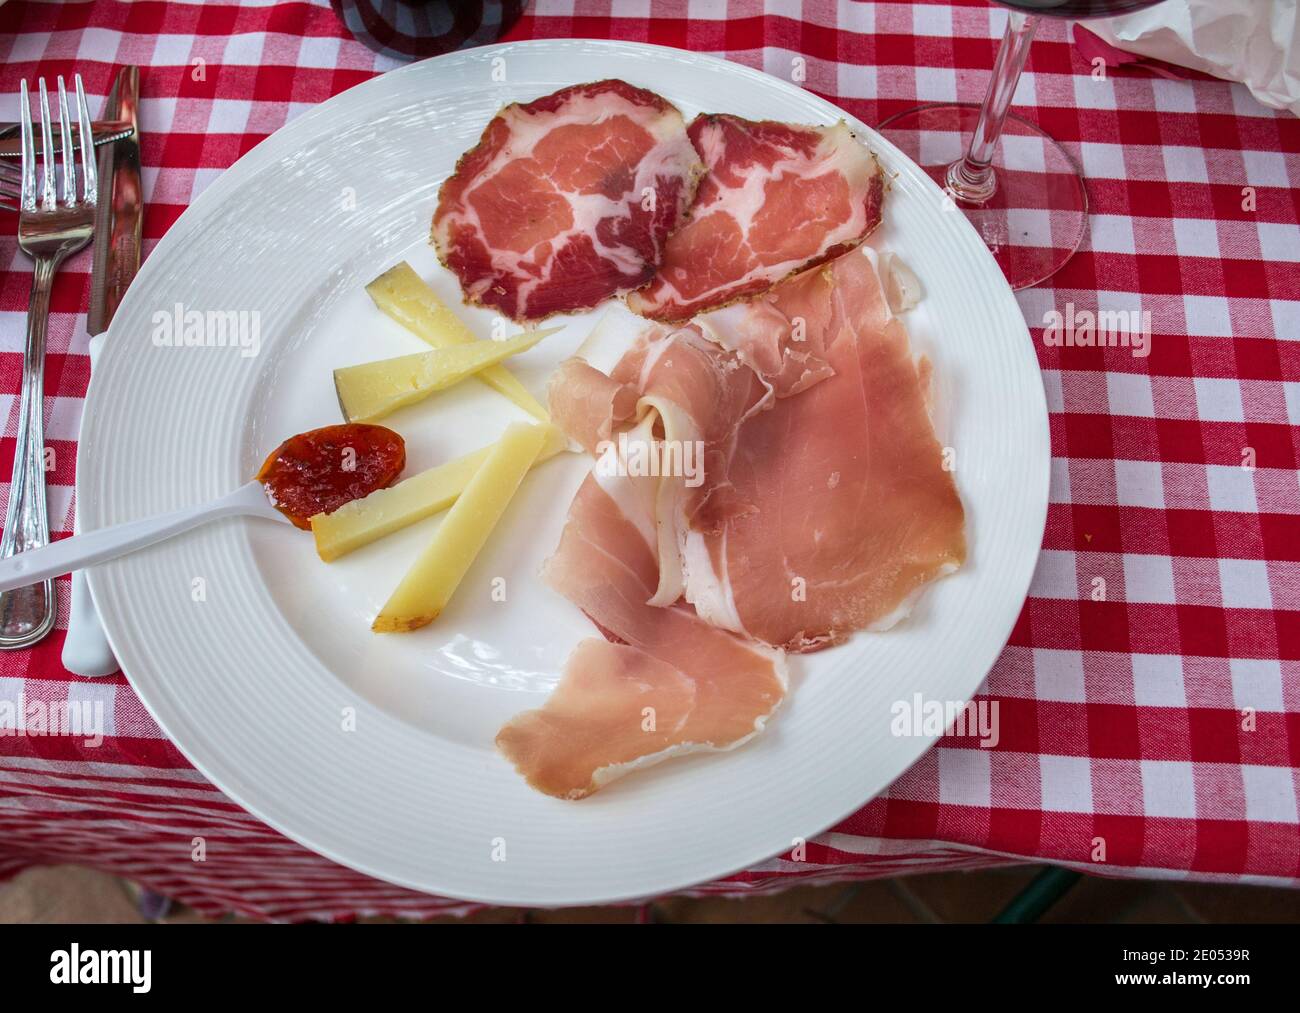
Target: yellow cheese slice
x=372 y=390
x=439 y=569
x=402 y=294
x=387 y=510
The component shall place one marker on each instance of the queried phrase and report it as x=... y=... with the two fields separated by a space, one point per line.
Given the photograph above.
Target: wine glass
x=1019 y=188
x=415 y=29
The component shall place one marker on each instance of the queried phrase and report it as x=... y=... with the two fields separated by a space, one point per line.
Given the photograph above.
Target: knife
x=118 y=216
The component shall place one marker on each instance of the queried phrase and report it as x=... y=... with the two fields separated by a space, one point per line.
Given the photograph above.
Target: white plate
x=254 y=679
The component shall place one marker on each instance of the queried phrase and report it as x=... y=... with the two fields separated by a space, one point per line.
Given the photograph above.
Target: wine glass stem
x=971 y=179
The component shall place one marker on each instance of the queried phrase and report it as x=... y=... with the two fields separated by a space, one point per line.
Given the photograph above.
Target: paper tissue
x=1252 y=41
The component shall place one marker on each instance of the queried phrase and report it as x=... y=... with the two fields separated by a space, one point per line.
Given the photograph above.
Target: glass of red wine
x=1019 y=188
x=415 y=29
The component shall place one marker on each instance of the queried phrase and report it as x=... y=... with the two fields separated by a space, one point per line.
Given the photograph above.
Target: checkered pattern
x=1149 y=698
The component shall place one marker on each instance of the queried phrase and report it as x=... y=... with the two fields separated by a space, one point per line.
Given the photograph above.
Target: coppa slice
x=777 y=199
x=673 y=684
x=567 y=200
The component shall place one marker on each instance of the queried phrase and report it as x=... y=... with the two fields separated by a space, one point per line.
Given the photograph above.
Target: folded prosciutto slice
x=680 y=398
x=777 y=199
x=586 y=404
x=853 y=512
x=567 y=200
x=824 y=506
x=668 y=684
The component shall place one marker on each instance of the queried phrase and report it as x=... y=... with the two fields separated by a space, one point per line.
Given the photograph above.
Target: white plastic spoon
x=92 y=547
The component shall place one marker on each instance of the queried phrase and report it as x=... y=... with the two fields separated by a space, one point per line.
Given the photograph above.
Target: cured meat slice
x=567 y=200
x=671 y=684
x=586 y=403
x=854 y=512
x=776 y=199
x=824 y=507
x=781 y=339
x=825 y=511
x=699 y=394
x=688 y=396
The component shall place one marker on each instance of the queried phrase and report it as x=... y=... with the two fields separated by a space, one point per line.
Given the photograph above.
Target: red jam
x=318 y=471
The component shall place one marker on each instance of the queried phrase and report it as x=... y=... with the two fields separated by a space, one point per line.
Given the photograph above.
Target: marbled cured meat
x=567 y=200
x=777 y=199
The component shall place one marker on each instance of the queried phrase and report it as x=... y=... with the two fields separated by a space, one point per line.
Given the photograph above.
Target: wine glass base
x=1038 y=215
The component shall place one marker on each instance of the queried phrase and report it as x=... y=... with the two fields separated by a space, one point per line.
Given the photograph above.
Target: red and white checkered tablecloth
x=1153 y=733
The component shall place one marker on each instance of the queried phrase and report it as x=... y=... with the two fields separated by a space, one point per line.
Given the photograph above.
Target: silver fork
x=11 y=175
x=49 y=230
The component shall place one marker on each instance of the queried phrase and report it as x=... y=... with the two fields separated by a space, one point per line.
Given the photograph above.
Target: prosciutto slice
x=776 y=199
x=687 y=396
x=586 y=403
x=667 y=683
x=566 y=200
x=853 y=510
x=824 y=506
x=780 y=335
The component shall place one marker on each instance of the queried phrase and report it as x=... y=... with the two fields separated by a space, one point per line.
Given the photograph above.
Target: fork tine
x=68 y=154
x=28 y=193
x=89 y=172
x=49 y=198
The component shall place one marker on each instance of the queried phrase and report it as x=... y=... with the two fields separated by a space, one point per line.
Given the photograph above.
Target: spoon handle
x=92 y=547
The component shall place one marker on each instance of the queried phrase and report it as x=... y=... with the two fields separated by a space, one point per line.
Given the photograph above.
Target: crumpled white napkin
x=1256 y=42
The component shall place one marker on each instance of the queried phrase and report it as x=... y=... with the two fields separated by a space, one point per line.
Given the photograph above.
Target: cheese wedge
x=387 y=510
x=402 y=294
x=372 y=390
x=439 y=569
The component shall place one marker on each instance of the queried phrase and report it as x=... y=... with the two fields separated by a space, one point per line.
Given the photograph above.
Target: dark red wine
x=414 y=29
x=1078 y=9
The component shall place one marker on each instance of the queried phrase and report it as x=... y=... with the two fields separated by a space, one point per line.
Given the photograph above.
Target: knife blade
x=118 y=216
x=120 y=208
